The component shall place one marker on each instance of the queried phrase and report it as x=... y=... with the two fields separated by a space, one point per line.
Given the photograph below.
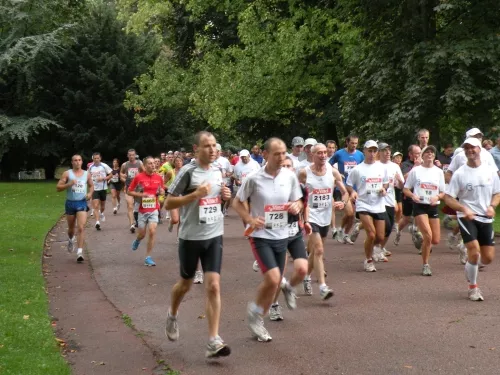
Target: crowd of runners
x=287 y=201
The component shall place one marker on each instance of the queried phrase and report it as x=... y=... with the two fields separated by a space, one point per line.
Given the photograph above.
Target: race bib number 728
x=276 y=216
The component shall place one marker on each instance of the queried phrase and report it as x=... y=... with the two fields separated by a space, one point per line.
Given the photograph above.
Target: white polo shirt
x=269 y=197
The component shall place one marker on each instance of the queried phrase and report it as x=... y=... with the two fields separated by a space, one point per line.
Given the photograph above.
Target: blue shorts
x=72 y=207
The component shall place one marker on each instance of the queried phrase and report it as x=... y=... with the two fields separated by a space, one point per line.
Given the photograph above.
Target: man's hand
x=308 y=229
x=293 y=208
x=434 y=200
x=415 y=198
x=469 y=215
x=203 y=190
x=383 y=192
x=354 y=196
x=490 y=212
x=256 y=222
x=338 y=205
x=88 y=197
x=225 y=193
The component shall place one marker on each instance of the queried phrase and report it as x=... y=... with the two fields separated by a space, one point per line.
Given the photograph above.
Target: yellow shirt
x=164 y=169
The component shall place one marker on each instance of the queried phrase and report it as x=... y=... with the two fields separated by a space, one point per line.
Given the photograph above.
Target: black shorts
x=376 y=216
x=118 y=186
x=297 y=247
x=208 y=252
x=389 y=220
x=472 y=230
x=337 y=195
x=407 y=207
x=100 y=194
x=269 y=254
x=323 y=231
x=398 y=193
x=425 y=209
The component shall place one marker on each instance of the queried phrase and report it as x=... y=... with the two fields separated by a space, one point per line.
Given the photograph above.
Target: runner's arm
x=64 y=182
x=123 y=175
x=90 y=184
x=172 y=202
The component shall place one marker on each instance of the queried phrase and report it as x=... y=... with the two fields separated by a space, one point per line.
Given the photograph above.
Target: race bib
x=293 y=229
x=275 y=216
x=132 y=172
x=210 y=210
x=321 y=198
x=95 y=176
x=349 y=166
x=427 y=191
x=115 y=178
x=149 y=202
x=79 y=187
x=373 y=185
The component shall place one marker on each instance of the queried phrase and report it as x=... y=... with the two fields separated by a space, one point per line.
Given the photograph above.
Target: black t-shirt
x=444 y=160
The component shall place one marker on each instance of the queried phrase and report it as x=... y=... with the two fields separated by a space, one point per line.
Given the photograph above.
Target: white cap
x=397 y=153
x=310 y=142
x=472 y=141
x=170 y=152
x=371 y=144
x=218 y=146
x=244 y=153
x=472 y=132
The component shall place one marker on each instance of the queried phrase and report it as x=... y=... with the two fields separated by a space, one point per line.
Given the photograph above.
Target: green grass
x=127 y=320
x=27 y=343
x=496 y=223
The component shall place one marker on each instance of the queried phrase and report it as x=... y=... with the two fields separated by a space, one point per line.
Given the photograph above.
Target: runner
x=152 y=186
x=477 y=188
x=79 y=188
x=256 y=155
x=308 y=144
x=101 y=173
x=370 y=179
x=395 y=178
x=128 y=171
x=297 y=147
x=397 y=158
x=321 y=180
x=243 y=169
x=423 y=138
x=197 y=190
x=427 y=183
x=331 y=149
x=274 y=193
x=178 y=163
x=163 y=158
x=346 y=159
x=116 y=186
x=227 y=170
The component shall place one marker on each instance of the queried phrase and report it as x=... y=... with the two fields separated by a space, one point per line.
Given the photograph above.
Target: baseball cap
x=310 y=142
x=427 y=148
x=170 y=152
x=244 y=153
x=298 y=141
x=218 y=146
x=383 y=146
x=183 y=149
x=473 y=142
x=371 y=144
x=397 y=153
x=472 y=132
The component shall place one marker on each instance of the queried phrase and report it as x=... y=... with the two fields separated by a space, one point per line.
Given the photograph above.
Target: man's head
x=351 y=142
x=163 y=157
x=178 y=162
x=384 y=150
x=297 y=145
x=219 y=149
x=76 y=161
x=205 y=146
x=429 y=154
x=472 y=148
x=275 y=152
x=256 y=150
x=487 y=144
x=370 y=150
x=308 y=144
x=414 y=152
x=131 y=155
x=331 y=147
x=287 y=163
x=149 y=164
x=423 y=138
x=448 y=149
x=397 y=158
x=96 y=158
x=474 y=133
x=170 y=157
x=319 y=154
x=244 y=156
x=157 y=163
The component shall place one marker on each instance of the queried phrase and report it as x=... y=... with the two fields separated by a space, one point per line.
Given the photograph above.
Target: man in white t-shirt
x=297 y=147
x=477 y=188
x=243 y=169
x=308 y=160
x=101 y=173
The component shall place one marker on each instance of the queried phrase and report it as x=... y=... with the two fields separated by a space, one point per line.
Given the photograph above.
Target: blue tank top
x=78 y=191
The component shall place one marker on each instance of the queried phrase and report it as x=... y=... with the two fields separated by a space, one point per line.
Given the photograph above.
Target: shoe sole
x=276 y=319
x=171 y=338
x=222 y=352
x=80 y=259
x=98 y=227
x=328 y=295
x=150 y=265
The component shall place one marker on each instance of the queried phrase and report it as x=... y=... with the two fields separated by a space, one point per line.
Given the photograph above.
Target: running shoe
x=417 y=239
x=171 y=328
x=92 y=213
x=102 y=218
x=447 y=222
x=149 y=262
x=386 y=252
x=79 y=257
x=462 y=253
x=71 y=245
x=135 y=244
x=198 y=277
x=98 y=225
x=397 y=237
x=334 y=233
x=369 y=266
x=378 y=255
x=132 y=229
x=347 y=240
x=340 y=235
x=217 y=348
x=255 y=266
x=307 y=286
x=290 y=297
x=170 y=226
x=167 y=215
x=115 y=210
x=118 y=206
x=355 y=232
x=426 y=270
x=453 y=241
x=325 y=293
x=395 y=227
x=256 y=326
x=475 y=294
x=275 y=313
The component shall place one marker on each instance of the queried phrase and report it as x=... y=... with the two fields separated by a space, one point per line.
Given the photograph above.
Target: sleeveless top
x=320 y=197
x=78 y=191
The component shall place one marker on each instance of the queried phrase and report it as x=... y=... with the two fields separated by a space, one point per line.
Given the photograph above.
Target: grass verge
x=27 y=344
x=496 y=222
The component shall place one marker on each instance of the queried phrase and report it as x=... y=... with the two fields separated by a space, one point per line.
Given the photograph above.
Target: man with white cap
x=243 y=168
x=297 y=147
x=474 y=192
x=308 y=145
x=370 y=179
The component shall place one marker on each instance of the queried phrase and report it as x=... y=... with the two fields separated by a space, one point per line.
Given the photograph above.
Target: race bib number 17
x=373 y=185
x=276 y=216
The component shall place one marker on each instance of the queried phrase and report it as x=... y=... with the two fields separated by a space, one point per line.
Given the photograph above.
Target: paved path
x=393 y=321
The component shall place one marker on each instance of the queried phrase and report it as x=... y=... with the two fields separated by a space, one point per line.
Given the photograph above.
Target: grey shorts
x=146 y=218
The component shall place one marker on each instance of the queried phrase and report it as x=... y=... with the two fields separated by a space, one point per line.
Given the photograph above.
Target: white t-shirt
x=269 y=197
x=474 y=188
x=225 y=167
x=369 y=179
x=426 y=182
x=392 y=170
x=241 y=170
x=320 y=196
x=101 y=170
x=460 y=159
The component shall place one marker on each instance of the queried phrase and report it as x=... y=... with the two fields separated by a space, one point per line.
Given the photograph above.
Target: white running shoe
x=397 y=237
x=369 y=266
x=307 y=286
x=275 y=313
x=167 y=216
x=92 y=213
x=217 y=348
x=101 y=217
x=256 y=326
x=347 y=240
x=115 y=210
x=325 y=293
x=290 y=297
x=255 y=266
x=475 y=294
x=71 y=244
x=171 y=328
x=98 y=225
x=426 y=270
x=118 y=206
x=79 y=257
x=453 y=241
x=378 y=255
x=340 y=235
x=355 y=232
x=386 y=252
x=132 y=228
x=198 y=277
x=462 y=253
